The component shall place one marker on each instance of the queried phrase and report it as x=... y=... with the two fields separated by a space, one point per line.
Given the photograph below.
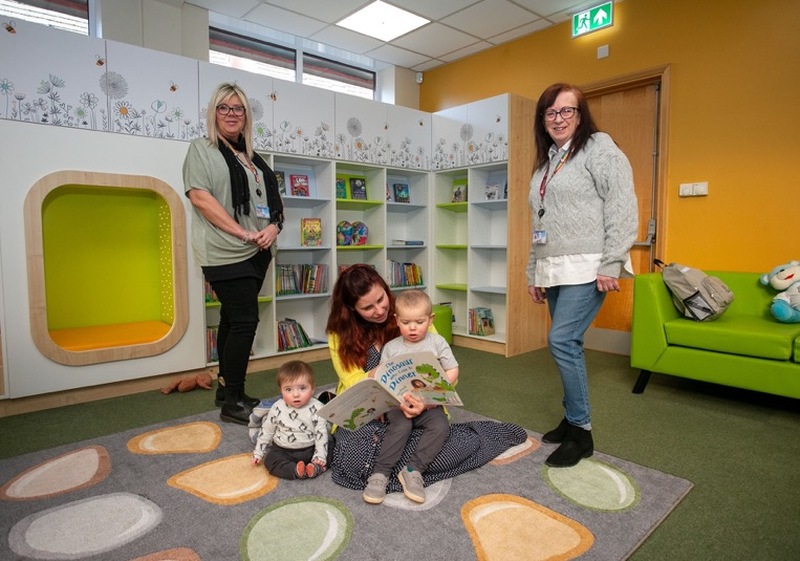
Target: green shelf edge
x=351 y=204
x=358 y=247
x=261 y=300
x=451 y=246
x=453 y=207
x=456 y=286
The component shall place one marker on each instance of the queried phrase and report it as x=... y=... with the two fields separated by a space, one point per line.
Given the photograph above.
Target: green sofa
x=745 y=348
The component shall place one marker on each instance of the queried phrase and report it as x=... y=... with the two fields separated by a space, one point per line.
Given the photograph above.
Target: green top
x=204 y=168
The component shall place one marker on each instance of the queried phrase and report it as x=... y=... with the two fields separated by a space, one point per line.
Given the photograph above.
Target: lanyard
x=546 y=180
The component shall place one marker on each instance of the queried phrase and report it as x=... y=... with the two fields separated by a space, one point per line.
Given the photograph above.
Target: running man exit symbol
x=593 y=19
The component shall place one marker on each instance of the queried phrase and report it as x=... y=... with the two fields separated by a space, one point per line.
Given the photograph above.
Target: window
x=69 y=15
x=237 y=51
x=262 y=57
x=324 y=73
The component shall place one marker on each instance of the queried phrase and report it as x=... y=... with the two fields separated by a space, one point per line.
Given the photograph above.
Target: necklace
x=245 y=162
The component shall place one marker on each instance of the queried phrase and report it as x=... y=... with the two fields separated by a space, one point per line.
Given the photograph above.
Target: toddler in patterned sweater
x=290 y=438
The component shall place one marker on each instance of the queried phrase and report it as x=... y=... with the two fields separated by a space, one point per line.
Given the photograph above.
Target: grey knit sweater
x=590 y=207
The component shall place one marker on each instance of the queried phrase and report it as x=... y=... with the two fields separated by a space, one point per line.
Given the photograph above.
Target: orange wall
x=734 y=116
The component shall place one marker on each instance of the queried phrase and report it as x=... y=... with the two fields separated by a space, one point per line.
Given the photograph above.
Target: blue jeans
x=572 y=309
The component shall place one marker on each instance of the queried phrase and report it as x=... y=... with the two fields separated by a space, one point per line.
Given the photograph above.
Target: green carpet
x=740 y=449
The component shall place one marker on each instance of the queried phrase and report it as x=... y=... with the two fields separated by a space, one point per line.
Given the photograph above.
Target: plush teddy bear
x=188 y=384
x=786 y=279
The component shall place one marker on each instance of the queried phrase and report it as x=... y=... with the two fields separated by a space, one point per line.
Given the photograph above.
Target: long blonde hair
x=221 y=94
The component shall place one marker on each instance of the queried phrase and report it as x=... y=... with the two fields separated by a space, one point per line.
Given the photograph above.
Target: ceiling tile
x=549 y=7
x=397 y=56
x=232 y=8
x=330 y=12
x=433 y=9
x=289 y=22
x=345 y=39
x=538 y=25
x=466 y=51
x=489 y=18
x=434 y=40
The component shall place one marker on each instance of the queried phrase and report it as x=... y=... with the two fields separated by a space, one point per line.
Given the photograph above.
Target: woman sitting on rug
x=361 y=322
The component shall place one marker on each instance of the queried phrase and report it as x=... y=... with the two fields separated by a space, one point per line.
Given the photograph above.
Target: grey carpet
x=134 y=504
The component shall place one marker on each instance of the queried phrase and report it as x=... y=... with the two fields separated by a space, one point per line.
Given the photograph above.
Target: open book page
x=418 y=373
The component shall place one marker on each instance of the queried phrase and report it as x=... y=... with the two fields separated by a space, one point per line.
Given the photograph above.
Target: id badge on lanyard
x=540 y=234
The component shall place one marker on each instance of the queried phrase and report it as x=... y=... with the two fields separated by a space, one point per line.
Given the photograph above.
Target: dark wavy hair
x=586 y=127
x=356 y=335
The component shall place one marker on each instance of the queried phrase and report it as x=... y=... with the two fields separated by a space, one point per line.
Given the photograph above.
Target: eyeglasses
x=223 y=109
x=566 y=113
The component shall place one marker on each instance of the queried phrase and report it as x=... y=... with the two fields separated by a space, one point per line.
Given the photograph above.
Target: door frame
x=607 y=340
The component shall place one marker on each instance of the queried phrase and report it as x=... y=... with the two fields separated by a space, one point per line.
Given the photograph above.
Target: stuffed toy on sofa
x=786 y=279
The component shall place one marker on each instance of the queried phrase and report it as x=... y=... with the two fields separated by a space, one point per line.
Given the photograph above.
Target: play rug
x=186 y=491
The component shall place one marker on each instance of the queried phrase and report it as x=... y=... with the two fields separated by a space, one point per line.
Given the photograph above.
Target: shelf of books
x=360 y=214
x=305 y=257
x=407 y=228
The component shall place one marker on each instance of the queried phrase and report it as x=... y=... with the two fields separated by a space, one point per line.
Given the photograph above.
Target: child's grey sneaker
x=413 y=485
x=376 y=489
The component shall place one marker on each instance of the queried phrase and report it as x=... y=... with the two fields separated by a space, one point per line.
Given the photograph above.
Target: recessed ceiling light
x=382 y=21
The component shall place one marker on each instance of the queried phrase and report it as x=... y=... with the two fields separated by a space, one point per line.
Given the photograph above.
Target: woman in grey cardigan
x=585 y=221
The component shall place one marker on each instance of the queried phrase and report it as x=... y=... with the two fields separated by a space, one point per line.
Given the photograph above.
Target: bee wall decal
x=99 y=61
x=10 y=25
x=274 y=95
x=173 y=87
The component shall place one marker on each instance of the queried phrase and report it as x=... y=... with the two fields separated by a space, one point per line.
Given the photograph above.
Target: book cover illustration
x=341 y=188
x=493 y=192
x=281 y=181
x=481 y=321
x=358 y=188
x=299 y=185
x=360 y=233
x=459 y=190
x=311 y=232
x=344 y=233
x=417 y=373
x=401 y=193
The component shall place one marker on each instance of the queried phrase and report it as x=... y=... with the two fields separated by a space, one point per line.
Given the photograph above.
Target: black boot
x=233 y=410
x=577 y=444
x=244 y=399
x=556 y=436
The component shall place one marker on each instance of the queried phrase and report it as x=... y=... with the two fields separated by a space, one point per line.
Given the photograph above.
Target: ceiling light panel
x=382 y=21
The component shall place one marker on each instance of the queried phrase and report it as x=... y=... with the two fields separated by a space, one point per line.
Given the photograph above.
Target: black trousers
x=281 y=462
x=238 y=320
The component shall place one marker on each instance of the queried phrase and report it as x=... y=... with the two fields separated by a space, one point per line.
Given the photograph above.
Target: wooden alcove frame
x=36 y=272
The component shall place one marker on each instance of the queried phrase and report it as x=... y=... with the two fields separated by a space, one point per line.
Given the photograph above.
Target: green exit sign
x=593 y=19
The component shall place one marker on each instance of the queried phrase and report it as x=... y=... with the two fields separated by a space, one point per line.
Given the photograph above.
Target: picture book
x=481 y=321
x=493 y=192
x=418 y=373
x=311 y=232
x=401 y=193
x=358 y=188
x=281 y=181
x=360 y=233
x=459 y=190
x=299 y=185
x=341 y=188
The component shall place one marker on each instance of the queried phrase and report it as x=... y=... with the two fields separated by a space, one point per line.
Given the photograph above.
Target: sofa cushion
x=734 y=334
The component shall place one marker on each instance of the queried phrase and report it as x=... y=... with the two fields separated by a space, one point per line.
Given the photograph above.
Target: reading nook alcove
x=106 y=261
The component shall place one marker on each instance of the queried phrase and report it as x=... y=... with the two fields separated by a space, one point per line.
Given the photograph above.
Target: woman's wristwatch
x=279 y=225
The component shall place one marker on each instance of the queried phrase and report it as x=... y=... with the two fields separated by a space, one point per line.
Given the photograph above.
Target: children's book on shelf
x=281 y=181
x=497 y=186
x=344 y=233
x=300 y=186
x=358 y=188
x=360 y=233
x=408 y=242
x=493 y=191
x=401 y=193
x=481 y=321
x=459 y=190
x=417 y=373
x=341 y=188
x=291 y=335
x=311 y=232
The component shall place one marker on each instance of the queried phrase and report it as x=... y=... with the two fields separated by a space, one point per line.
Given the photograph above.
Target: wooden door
x=630 y=114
